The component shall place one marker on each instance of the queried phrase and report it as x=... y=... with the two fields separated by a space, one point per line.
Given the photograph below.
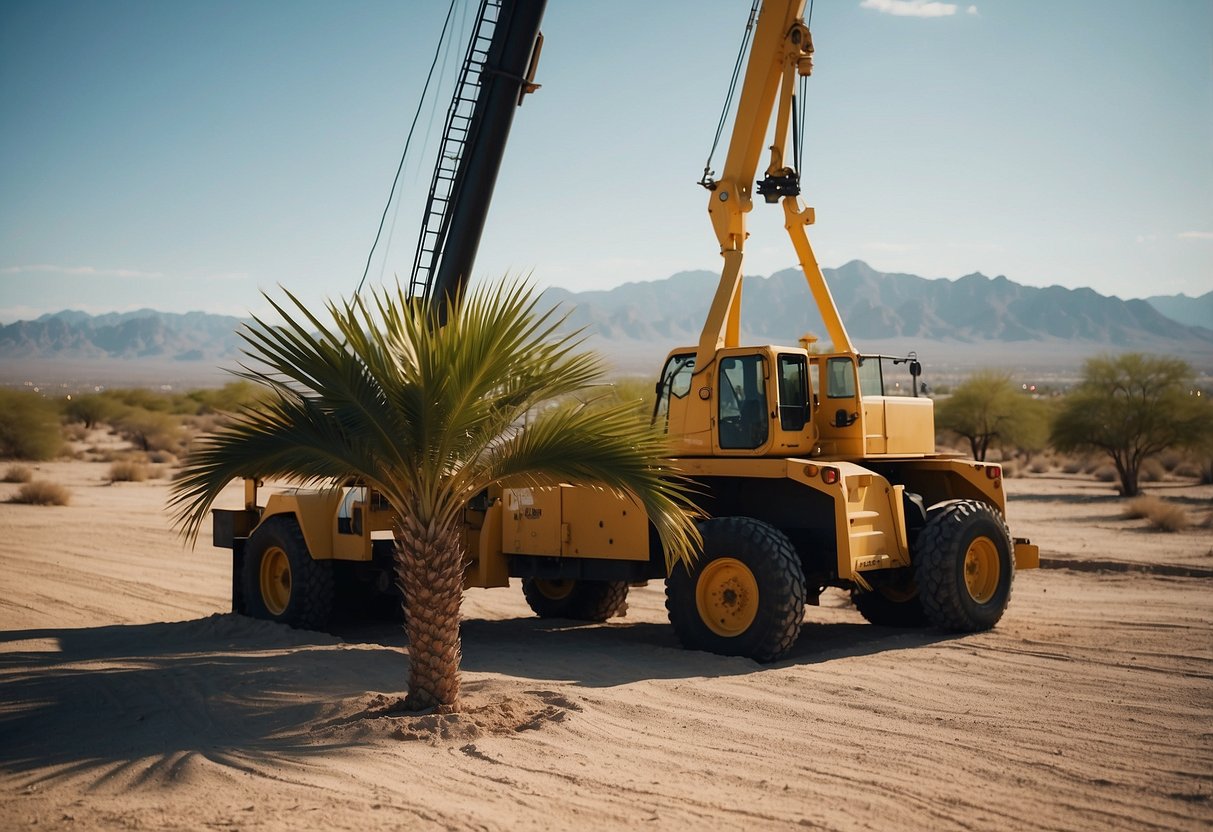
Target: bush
x=89 y=409
x=138 y=397
x=1188 y=469
x=1139 y=507
x=1106 y=473
x=1170 y=460
x=29 y=426
x=128 y=471
x=1073 y=466
x=42 y=493
x=1152 y=471
x=1040 y=465
x=75 y=433
x=149 y=430
x=1163 y=516
x=229 y=398
x=18 y=473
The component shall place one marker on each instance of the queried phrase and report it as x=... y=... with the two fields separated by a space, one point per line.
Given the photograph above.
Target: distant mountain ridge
x=874 y=306
x=1196 y=311
x=144 y=333
x=877 y=306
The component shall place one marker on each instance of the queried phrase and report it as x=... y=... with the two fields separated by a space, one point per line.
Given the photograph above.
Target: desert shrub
x=1105 y=473
x=29 y=426
x=1073 y=466
x=1169 y=518
x=138 y=397
x=1152 y=471
x=42 y=493
x=110 y=454
x=205 y=423
x=1187 y=469
x=226 y=399
x=1040 y=465
x=18 y=473
x=162 y=457
x=128 y=471
x=75 y=433
x=1163 y=516
x=1170 y=460
x=149 y=430
x=1011 y=468
x=156 y=472
x=1139 y=507
x=89 y=409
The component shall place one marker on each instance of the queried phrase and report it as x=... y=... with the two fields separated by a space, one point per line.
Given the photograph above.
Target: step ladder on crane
x=456 y=135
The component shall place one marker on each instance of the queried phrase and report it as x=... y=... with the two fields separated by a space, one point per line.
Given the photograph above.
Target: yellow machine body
x=810 y=444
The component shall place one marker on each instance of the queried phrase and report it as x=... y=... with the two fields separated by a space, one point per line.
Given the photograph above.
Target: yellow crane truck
x=811 y=473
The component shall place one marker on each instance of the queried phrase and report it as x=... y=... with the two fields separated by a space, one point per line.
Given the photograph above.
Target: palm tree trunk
x=429 y=572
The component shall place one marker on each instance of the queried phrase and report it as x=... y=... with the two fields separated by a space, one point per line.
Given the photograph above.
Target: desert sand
x=131 y=699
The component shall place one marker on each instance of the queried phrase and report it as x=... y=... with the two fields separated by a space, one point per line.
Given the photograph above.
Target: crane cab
x=774 y=401
x=751 y=401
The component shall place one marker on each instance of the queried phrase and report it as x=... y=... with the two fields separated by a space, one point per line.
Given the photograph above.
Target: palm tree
x=430 y=415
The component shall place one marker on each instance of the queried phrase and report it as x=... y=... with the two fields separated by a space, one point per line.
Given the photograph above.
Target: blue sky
x=186 y=155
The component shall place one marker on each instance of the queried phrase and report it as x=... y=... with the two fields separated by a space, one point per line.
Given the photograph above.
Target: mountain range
x=875 y=306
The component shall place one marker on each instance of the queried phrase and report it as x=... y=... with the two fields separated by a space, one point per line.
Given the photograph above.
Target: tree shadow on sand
x=142 y=702
x=145 y=700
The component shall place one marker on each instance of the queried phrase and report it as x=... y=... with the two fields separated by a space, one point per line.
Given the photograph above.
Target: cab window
x=871 y=380
x=840 y=378
x=742 y=413
x=675 y=381
x=793 y=392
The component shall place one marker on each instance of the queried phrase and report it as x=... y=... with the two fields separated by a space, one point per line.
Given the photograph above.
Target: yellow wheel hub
x=726 y=596
x=556 y=590
x=982 y=569
x=275 y=580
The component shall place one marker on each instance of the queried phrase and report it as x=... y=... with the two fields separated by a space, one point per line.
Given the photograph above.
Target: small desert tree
x=1131 y=407
x=29 y=426
x=988 y=409
x=89 y=409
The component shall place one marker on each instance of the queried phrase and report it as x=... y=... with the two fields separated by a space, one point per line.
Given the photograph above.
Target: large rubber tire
x=891 y=606
x=745 y=594
x=577 y=600
x=964 y=566
x=281 y=580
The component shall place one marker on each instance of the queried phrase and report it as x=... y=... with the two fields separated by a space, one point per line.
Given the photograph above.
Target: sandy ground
x=130 y=699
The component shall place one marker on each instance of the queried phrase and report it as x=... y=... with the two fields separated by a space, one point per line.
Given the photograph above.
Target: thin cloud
x=914 y=8
x=1195 y=235
x=80 y=271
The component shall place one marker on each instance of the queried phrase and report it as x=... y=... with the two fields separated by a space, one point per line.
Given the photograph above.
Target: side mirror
x=842 y=419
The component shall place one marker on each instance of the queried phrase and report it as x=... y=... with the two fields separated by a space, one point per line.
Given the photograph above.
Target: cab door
x=840 y=421
x=743 y=413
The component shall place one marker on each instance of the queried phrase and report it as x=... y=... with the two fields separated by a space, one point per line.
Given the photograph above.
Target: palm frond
x=430 y=414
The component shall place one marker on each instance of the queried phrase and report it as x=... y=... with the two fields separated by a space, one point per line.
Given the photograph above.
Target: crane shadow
x=141 y=702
